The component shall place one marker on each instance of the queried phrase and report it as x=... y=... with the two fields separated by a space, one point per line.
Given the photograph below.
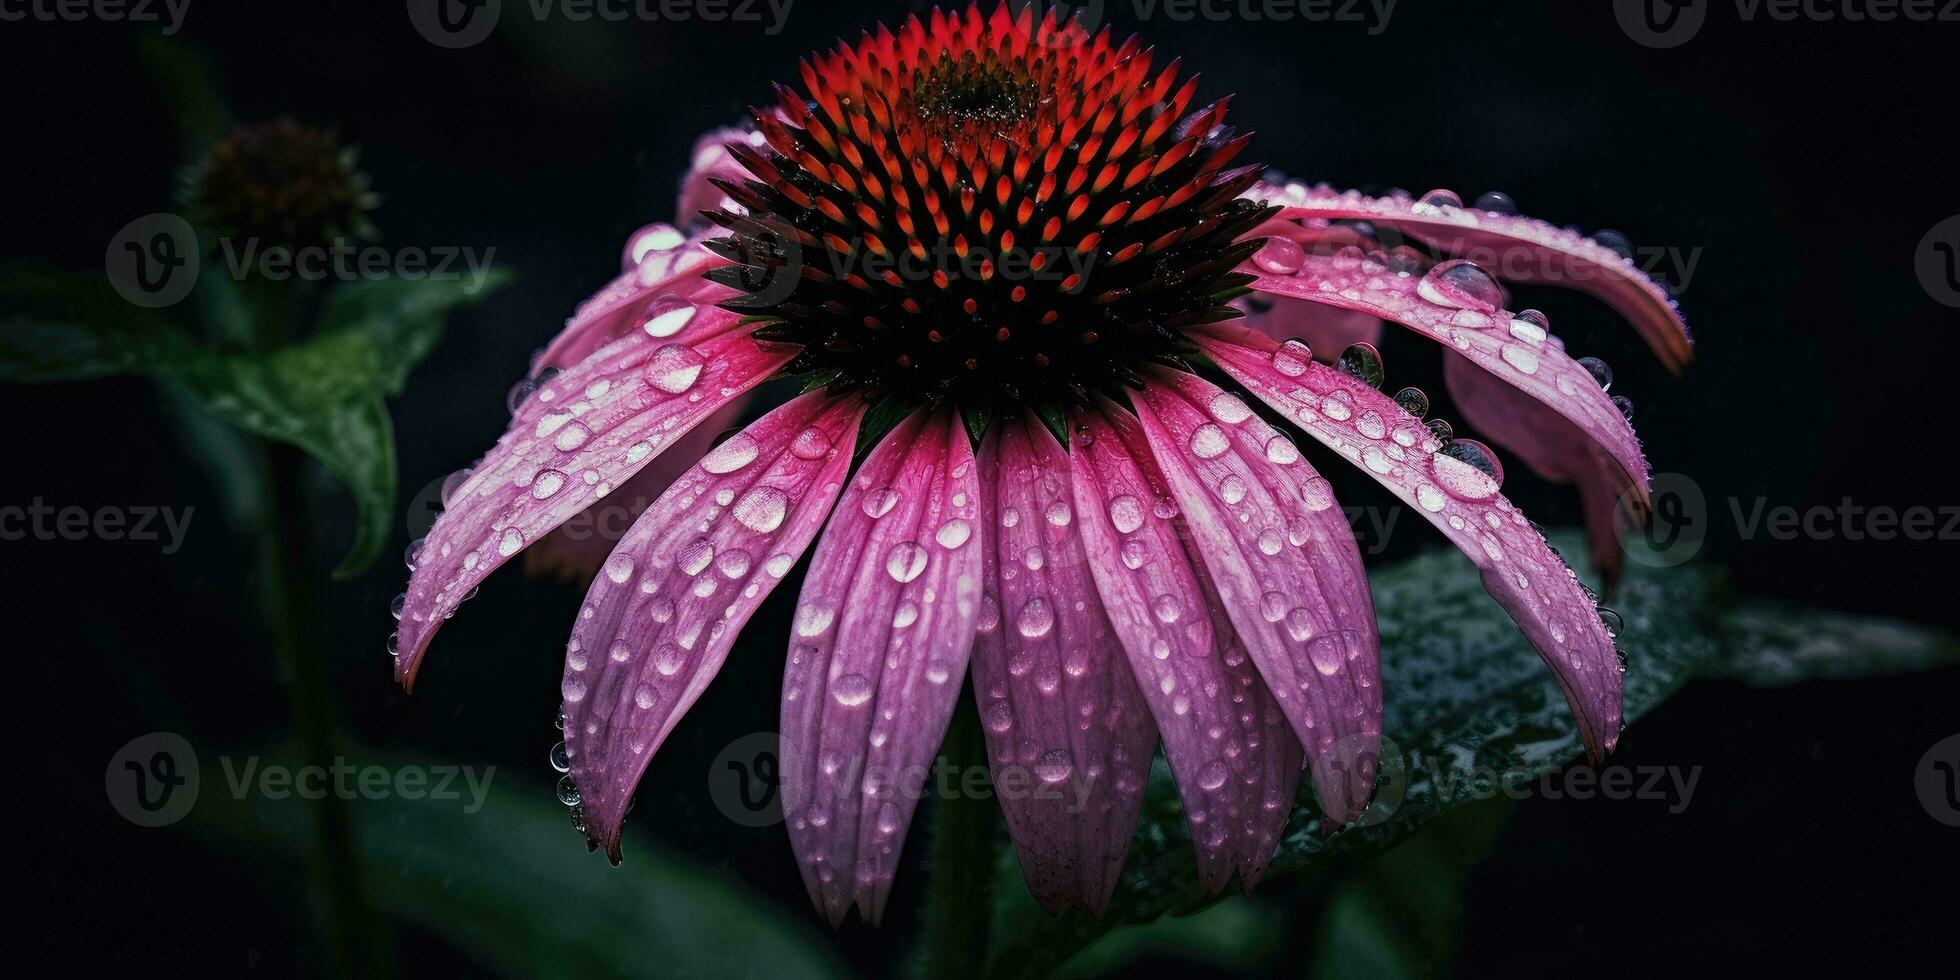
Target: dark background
x=1801 y=163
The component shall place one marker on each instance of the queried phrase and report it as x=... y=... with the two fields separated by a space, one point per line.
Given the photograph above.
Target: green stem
x=291 y=605
x=959 y=893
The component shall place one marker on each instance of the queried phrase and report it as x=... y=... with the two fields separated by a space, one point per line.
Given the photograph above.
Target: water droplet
x=1281 y=450
x=1214 y=774
x=1524 y=360
x=695 y=557
x=1273 y=606
x=666 y=316
x=1624 y=404
x=412 y=555
x=1496 y=201
x=1611 y=620
x=879 y=502
x=762 y=509
x=906 y=561
x=734 y=563
x=1461 y=284
x=560 y=760
x=568 y=791
x=811 y=443
x=1054 y=766
x=812 y=619
x=1000 y=717
x=1167 y=608
x=510 y=542
x=737 y=452
x=572 y=436
x=907 y=614
x=1208 y=441
x=1461 y=479
x=851 y=690
x=1036 y=619
x=1362 y=363
x=1430 y=498
x=1059 y=514
x=1601 y=374
x=396 y=605
x=1527 y=331
x=1231 y=489
x=1413 y=401
x=619 y=568
x=1618 y=243
x=1292 y=358
x=674 y=368
x=453 y=483
x=1280 y=256
x=1133 y=554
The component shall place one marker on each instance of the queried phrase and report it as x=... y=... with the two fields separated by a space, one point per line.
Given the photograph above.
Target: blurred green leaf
x=1468 y=696
x=57 y=326
x=403 y=318
x=510 y=885
x=325 y=397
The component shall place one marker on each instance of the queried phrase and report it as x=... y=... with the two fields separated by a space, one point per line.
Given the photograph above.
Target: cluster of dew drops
x=1446 y=283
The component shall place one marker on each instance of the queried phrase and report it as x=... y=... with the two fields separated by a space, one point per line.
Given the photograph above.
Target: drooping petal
x=668 y=604
x=574 y=551
x=661 y=292
x=1555 y=449
x=877 y=654
x=575 y=440
x=1283 y=560
x=1455 y=304
x=1069 y=738
x=1517 y=249
x=1519 y=569
x=1236 y=760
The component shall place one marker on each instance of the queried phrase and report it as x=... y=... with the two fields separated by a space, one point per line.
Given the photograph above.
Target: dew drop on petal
x=906 y=561
x=953 y=533
x=740 y=450
x=510 y=542
x=1229 y=408
x=1292 y=358
x=851 y=690
x=1208 y=441
x=1054 y=766
x=879 y=502
x=762 y=509
x=811 y=443
x=666 y=316
x=1125 y=513
x=1036 y=619
x=674 y=368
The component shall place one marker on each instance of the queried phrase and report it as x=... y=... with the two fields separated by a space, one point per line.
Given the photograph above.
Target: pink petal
x=710 y=160
x=660 y=286
x=1555 y=449
x=1283 y=560
x=1068 y=735
x=1518 y=352
x=1518 y=249
x=576 y=439
x=1235 y=757
x=1519 y=569
x=661 y=617
x=574 y=551
x=881 y=637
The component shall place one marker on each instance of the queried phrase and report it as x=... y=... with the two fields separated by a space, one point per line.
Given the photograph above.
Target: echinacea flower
x=1023 y=241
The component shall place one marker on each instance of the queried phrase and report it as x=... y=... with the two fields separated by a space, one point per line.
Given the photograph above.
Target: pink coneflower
x=1004 y=229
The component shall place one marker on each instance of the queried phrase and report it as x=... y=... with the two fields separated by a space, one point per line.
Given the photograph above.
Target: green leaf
x=404 y=318
x=1467 y=699
x=324 y=397
x=510 y=885
x=70 y=327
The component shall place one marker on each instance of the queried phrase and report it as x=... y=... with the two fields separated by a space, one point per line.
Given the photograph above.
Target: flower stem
x=959 y=895
x=291 y=605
